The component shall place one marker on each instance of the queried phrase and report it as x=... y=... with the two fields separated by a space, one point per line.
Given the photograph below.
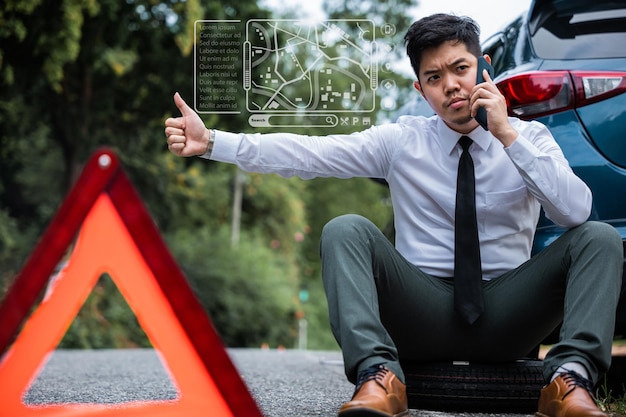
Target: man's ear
x=418 y=87
x=487 y=58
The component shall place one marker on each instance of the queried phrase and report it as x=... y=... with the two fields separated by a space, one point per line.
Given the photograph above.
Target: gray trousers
x=383 y=309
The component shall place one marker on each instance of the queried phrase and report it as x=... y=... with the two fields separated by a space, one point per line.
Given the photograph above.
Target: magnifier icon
x=329 y=120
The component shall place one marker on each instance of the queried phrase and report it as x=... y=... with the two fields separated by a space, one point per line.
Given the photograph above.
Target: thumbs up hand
x=186 y=135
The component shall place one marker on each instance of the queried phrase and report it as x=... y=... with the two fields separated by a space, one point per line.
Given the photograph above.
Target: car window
x=502 y=45
x=579 y=33
x=496 y=51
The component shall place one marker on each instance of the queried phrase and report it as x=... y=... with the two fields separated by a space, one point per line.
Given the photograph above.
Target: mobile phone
x=481 y=114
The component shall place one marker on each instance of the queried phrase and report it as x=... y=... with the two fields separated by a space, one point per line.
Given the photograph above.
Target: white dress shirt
x=419 y=157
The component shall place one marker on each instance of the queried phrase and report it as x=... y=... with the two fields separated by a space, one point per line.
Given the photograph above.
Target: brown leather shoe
x=569 y=395
x=378 y=393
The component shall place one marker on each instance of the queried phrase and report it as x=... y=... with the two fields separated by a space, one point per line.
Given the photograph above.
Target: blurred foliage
x=76 y=75
x=105 y=320
x=248 y=291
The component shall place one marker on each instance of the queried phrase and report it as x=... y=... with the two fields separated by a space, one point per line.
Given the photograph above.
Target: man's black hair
x=432 y=31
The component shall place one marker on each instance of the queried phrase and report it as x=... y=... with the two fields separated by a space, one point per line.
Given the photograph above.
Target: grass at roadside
x=611 y=405
x=608 y=400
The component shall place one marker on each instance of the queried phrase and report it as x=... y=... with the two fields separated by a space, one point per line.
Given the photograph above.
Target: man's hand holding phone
x=489 y=105
x=481 y=113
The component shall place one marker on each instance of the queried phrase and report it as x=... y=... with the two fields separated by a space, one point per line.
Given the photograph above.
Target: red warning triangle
x=117 y=237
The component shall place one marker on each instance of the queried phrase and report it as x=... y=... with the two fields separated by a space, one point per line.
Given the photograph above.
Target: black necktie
x=468 y=295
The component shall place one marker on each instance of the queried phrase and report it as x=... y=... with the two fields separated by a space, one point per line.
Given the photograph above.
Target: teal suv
x=564 y=64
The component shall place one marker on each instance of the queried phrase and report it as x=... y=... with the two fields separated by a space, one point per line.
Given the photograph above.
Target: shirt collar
x=449 y=138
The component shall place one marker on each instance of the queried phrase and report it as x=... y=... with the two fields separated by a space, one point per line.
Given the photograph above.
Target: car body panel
x=610 y=138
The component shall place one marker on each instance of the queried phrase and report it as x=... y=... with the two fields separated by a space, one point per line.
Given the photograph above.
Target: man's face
x=447 y=76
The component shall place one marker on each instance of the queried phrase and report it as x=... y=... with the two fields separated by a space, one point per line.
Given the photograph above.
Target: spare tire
x=474 y=387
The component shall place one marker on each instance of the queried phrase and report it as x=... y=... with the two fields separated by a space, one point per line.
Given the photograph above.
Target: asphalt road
x=284 y=383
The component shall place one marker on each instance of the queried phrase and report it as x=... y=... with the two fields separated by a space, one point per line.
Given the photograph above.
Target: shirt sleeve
x=565 y=198
x=361 y=154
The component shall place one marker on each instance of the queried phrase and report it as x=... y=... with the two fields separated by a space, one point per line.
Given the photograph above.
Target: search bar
x=293 y=120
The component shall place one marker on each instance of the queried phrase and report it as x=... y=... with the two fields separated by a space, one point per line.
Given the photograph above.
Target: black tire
x=478 y=387
x=614 y=382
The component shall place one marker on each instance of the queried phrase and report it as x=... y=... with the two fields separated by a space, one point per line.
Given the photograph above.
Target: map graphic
x=296 y=66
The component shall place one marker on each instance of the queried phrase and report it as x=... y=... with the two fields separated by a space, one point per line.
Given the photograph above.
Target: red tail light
x=539 y=93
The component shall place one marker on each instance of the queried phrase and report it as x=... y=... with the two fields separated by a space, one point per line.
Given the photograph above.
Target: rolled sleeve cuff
x=224 y=148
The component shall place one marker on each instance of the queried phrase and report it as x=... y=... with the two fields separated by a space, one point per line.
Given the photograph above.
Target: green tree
x=79 y=74
x=83 y=74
